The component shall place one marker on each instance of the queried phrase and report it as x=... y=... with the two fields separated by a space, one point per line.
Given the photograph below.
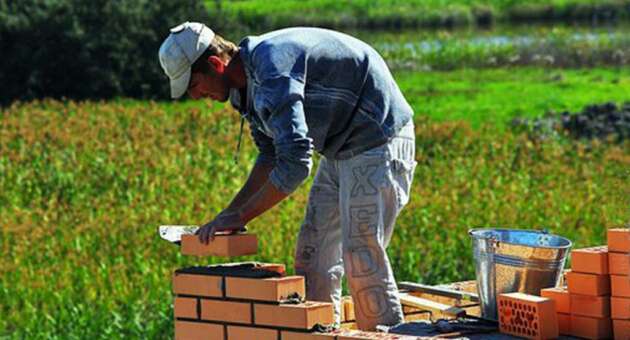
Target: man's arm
x=230 y=218
x=281 y=101
x=266 y=198
x=256 y=180
x=246 y=203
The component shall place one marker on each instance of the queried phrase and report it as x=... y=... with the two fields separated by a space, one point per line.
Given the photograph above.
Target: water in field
x=555 y=46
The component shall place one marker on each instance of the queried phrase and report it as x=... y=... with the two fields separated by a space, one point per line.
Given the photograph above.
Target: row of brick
x=598 y=284
x=585 y=305
x=303 y=315
x=214 y=286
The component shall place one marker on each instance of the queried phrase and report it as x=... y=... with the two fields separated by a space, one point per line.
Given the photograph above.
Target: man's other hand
x=225 y=221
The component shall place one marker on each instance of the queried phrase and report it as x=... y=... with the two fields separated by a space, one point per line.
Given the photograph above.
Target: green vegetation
x=496 y=96
x=410 y=13
x=85 y=185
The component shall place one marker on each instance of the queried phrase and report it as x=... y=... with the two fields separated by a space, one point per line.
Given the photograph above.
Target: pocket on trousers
x=402 y=171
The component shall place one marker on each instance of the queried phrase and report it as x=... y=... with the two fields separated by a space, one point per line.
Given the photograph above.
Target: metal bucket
x=509 y=260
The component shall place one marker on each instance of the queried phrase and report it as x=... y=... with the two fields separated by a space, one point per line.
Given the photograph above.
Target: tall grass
x=84 y=186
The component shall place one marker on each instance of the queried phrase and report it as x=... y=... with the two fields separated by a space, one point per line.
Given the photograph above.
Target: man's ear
x=217 y=64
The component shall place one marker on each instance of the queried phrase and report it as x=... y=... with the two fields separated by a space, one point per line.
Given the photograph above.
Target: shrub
x=87 y=49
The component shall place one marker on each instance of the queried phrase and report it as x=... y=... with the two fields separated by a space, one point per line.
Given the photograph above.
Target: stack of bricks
x=241 y=301
x=619 y=269
x=589 y=290
x=246 y=301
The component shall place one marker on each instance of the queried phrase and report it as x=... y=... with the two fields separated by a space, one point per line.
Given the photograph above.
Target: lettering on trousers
x=311 y=212
x=372 y=301
x=363 y=262
x=363 y=180
x=363 y=220
x=307 y=254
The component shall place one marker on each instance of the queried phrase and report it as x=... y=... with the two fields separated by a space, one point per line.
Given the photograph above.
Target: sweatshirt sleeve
x=266 y=150
x=280 y=101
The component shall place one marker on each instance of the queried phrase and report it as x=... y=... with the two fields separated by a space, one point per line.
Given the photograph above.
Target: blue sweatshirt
x=312 y=88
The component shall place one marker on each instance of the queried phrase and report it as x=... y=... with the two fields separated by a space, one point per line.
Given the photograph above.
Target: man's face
x=208 y=85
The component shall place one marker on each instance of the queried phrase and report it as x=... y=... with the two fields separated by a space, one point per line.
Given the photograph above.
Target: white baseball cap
x=180 y=50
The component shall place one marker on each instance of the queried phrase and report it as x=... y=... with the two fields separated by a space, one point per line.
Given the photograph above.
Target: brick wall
x=246 y=301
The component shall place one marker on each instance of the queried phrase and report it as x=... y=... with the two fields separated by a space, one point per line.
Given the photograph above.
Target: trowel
x=173 y=233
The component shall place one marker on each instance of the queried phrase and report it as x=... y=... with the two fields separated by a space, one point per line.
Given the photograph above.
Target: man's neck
x=235 y=73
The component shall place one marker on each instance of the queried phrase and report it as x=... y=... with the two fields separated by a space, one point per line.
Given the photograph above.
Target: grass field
x=496 y=96
x=84 y=186
x=413 y=13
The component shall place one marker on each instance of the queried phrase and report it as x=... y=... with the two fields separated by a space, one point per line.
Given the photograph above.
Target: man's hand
x=225 y=221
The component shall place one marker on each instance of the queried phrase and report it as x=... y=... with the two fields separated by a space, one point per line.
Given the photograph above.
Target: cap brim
x=179 y=85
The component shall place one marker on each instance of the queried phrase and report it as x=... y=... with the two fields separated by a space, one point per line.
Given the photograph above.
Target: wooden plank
x=440 y=291
x=417 y=302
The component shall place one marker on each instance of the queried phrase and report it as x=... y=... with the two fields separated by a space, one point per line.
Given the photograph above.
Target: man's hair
x=222 y=48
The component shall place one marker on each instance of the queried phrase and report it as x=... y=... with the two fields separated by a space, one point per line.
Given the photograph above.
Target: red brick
x=621 y=329
x=528 y=316
x=588 y=284
x=348 y=309
x=593 y=260
x=591 y=328
x=620 y=285
x=593 y=306
x=564 y=323
x=288 y=335
x=619 y=263
x=274 y=267
x=251 y=333
x=198 y=285
x=620 y=308
x=299 y=316
x=223 y=245
x=272 y=289
x=185 y=307
x=226 y=311
x=619 y=240
x=185 y=330
x=561 y=296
